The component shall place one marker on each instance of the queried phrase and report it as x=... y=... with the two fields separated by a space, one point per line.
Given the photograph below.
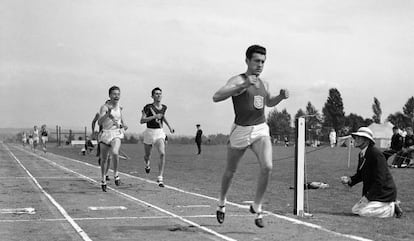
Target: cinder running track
x=69 y=205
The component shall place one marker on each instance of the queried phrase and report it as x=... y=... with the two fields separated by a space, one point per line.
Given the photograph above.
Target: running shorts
x=153 y=135
x=243 y=136
x=45 y=139
x=106 y=136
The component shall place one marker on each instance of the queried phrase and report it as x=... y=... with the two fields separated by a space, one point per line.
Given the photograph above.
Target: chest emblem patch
x=258 y=102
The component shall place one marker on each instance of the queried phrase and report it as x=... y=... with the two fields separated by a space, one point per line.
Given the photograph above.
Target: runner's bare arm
x=169 y=127
x=124 y=126
x=95 y=119
x=234 y=86
x=274 y=100
x=104 y=113
x=145 y=118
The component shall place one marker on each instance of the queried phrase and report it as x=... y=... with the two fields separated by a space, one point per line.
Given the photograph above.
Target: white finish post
x=299 y=167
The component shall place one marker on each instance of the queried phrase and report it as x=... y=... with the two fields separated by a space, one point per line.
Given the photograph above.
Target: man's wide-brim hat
x=364 y=132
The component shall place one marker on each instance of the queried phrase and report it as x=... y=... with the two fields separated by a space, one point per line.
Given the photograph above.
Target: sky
x=59 y=58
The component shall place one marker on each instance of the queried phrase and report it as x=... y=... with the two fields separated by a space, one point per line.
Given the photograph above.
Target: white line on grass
x=210 y=231
x=292 y=220
x=77 y=228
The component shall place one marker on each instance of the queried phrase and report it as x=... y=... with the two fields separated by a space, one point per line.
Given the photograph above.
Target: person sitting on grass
x=379 y=192
x=405 y=155
x=397 y=142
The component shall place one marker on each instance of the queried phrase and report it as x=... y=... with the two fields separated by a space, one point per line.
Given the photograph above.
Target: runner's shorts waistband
x=243 y=136
x=153 y=135
x=106 y=136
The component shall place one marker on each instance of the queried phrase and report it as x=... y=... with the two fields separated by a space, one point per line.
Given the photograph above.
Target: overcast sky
x=58 y=58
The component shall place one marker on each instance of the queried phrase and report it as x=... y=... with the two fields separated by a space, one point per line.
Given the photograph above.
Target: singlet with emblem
x=249 y=105
x=151 y=110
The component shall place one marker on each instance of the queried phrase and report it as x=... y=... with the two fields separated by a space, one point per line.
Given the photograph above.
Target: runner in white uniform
x=24 y=138
x=113 y=128
x=35 y=135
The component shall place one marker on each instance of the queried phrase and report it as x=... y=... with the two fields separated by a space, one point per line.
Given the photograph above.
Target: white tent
x=382 y=134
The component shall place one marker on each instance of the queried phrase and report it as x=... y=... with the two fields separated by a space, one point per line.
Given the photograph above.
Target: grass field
x=330 y=207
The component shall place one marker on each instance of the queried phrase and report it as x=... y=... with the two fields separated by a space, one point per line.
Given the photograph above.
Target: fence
x=66 y=136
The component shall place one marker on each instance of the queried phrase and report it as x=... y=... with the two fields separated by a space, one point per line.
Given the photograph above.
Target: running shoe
x=103 y=186
x=259 y=218
x=117 y=181
x=160 y=181
x=107 y=178
x=220 y=213
x=147 y=169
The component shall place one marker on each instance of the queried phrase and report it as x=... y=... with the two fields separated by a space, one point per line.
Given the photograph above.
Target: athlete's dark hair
x=155 y=89
x=255 y=49
x=113 y=88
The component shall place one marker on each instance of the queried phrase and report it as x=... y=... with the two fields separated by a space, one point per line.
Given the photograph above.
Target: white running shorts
x=106 y=136
x=45 y=139
x=243 y=136
x=153 y=135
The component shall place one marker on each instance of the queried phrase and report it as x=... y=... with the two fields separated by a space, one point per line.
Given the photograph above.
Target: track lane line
x=289 y=219
x=127 y=196
x=68 y=218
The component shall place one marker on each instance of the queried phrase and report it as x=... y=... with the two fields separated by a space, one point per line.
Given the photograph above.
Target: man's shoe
x=147 y=169
x=117 y=181
x=259 y=219
x=107 y=178
x=103 y=186
x=220 y=213
x=160 y=181
x=398 y=211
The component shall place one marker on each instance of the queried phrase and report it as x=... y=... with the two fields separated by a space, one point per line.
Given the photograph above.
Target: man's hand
x=345 y=180
x=158 y=116
x=250 y=80
x=284 y=93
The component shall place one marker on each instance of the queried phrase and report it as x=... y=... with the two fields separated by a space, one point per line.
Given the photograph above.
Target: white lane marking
x=77 y=228
x=119 y=218
x=43 y=177
x=107 y=208
x=17 y=211
x=193 y=206
x=139 y=201
x=248 y=202
x=292 y=220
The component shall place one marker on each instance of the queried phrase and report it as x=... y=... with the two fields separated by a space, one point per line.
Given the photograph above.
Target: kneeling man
x=379 y=192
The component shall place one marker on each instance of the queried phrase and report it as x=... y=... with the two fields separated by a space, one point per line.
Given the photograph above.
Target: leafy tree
x=333 y=111
x=300 y=113
x=376 y=108
x=408 y=110
x=314 y=121
x=399 y=119
x=354 y=121
x=279 y=123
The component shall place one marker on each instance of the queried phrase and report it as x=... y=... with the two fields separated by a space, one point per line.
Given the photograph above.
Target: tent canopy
x=382 y=130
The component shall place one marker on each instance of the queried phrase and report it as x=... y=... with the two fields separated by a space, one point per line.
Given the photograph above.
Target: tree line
x=318 y=124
